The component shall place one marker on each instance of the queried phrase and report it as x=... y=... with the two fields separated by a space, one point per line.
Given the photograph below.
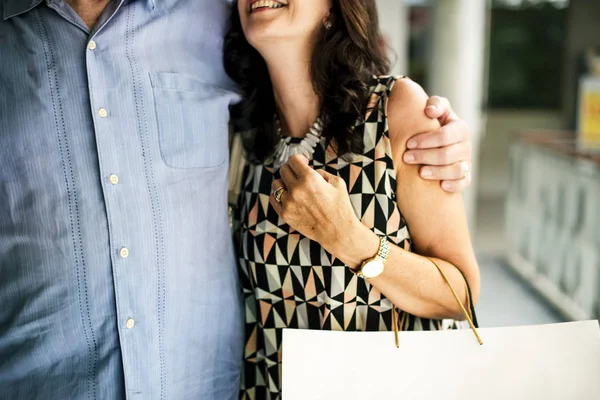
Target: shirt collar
x=12 y=8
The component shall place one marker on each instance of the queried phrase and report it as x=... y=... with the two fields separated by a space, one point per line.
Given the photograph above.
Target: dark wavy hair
x=345 y=58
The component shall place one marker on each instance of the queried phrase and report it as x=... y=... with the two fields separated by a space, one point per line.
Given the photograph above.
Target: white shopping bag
x=557 y=361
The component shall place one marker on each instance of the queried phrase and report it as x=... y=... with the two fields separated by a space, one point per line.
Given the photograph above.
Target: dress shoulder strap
x=381 y=88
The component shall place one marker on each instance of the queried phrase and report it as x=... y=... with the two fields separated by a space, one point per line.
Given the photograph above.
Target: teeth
x=267 y=4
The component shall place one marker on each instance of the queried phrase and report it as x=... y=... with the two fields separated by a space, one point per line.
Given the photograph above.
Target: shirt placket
x=114 y=110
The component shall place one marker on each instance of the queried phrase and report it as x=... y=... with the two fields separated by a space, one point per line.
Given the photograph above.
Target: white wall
x=393 y=19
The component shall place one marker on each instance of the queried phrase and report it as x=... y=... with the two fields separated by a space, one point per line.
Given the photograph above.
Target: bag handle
x=469 y=315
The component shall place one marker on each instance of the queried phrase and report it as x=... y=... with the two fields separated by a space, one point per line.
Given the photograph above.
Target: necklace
x=288 y=146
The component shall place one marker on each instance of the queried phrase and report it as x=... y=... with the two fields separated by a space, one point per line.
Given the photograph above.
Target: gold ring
x=277 y=193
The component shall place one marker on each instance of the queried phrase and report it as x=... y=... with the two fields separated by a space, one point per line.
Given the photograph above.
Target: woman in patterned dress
x=329 y=211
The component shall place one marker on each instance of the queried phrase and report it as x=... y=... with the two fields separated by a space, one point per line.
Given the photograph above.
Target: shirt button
x=124 y=252
x=91 y=45
x=130 y=323
x=103 y=113
x=114 y=179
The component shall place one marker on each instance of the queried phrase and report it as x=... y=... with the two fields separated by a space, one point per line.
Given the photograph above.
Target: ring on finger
x=466 y=167
x=277 y=193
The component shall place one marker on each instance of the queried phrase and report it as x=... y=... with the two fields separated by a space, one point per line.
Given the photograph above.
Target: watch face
x=373 y=268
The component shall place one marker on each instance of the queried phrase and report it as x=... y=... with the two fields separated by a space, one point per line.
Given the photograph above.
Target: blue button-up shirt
x=117 y=271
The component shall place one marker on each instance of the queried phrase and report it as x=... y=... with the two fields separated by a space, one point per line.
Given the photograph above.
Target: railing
x=553 y=221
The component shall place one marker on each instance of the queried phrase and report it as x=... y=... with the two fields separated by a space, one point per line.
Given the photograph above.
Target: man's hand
x=445 y=153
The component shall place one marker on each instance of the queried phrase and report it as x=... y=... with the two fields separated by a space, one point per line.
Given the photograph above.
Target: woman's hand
x=316 y=204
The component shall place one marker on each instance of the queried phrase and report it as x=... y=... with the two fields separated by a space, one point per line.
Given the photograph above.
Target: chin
x=258 y=34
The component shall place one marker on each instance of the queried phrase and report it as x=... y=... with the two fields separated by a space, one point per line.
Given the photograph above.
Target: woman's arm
x=317 y=204
x=436 y=220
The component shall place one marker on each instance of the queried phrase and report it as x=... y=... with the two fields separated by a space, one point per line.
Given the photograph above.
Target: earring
x=327 y=22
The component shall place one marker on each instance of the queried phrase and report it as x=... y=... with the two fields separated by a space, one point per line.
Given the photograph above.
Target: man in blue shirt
x=117 y=272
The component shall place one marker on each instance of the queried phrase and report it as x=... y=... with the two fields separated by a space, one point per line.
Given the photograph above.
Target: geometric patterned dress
x=290 y=280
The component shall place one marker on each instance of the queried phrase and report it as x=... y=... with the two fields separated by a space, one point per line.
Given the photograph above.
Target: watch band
x=384 y=249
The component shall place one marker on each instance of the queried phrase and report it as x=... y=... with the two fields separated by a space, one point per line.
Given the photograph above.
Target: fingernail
x=409 y=157
x=411 y=144
x=433 y=108
x=426 y=173
x=446 y=186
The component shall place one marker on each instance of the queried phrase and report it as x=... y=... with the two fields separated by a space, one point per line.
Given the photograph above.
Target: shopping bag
x=556 y=361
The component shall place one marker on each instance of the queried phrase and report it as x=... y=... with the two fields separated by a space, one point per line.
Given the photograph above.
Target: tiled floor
x=505 y=299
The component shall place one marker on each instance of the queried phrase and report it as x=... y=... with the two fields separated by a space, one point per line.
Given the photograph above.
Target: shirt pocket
x=192 y=120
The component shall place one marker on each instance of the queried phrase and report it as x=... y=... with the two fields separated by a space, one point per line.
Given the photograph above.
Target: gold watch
x=373 y=267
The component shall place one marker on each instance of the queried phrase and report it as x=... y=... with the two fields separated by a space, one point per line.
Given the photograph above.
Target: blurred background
x=525 y=75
